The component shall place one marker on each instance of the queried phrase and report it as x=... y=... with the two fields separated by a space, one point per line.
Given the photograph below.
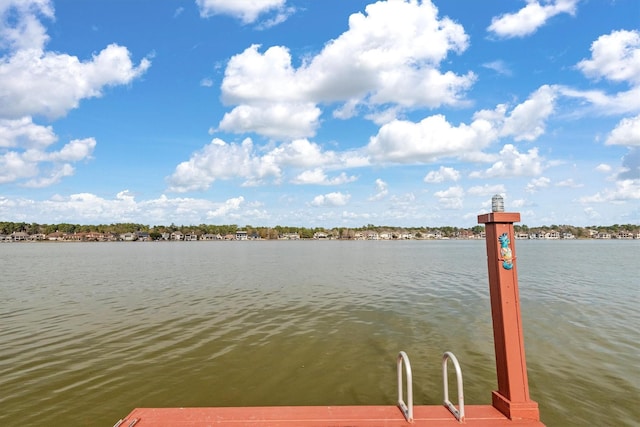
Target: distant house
x=142 y=236
x=19 y=236
x=241 y=235
x=190 y=237
x=210 y=236
x=176 y=235
x=290 y=236
x=128 y=237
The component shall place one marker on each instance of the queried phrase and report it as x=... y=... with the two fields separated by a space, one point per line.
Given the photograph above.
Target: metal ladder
x=407 y=408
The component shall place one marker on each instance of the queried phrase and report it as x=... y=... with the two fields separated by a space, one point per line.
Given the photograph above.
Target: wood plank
x=317 y=416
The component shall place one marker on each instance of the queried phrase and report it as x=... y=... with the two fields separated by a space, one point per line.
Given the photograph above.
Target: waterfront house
x=241 y=235
x=128 y=237
x=209 y=236
x=19 y=236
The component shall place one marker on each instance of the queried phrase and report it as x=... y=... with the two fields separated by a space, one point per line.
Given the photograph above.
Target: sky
x=319 y=113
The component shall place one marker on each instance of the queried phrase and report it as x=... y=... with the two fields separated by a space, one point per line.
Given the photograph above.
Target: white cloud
x=29 y=163
x=318 y=177
x=530 y=18
x=277 y=120
x=626 y=132
x=206 y=82
x=34 y=82
x=570 y=183
x=441 y=175
x=450 y=198
x=25 y=134
x=499 y=67
x=20 y=28
x=231 y=205
x=220 y=160
x=603 y=168
x=390 y=55
x=513 y=163
x=486 y=190
x=614 y=56
x=432 y=138
x=625 y=190
x=382 y=189
x=537 y=183
x=247 y=11
x=331 y=199
x=124 y=207
x=526 y=121
x=76 y=150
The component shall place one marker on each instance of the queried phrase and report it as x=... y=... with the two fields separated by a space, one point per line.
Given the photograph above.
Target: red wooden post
x=512 y=396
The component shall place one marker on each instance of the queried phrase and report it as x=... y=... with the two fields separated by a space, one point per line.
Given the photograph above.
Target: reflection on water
x=90 y=331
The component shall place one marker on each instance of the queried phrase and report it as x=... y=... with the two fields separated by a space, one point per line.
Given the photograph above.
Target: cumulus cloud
x=382 y=189
x=318 y=177
x=36 y=82
x=530 y=18
x=125 y=207
x=25 y=134
x=277 y=120
x=247 y=11
x=220 y=160
x=29 y=159
x=615 y=57
x=331 y=199
x=231 y=205
x=627 y=133
x=513 y=163
x=403 y=141
x=486 y=190
x=24 y=30
x=451 y=198
x=390 y=54
x=537 y=183
x=526 y=121
x=624 y=190
x=631 y=165
x=50 y=84
x=441 y=175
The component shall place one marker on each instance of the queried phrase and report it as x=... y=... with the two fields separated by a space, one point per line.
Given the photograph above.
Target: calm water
x=90 y=331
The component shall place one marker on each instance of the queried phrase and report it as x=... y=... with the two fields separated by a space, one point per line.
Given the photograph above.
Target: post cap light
x=497 y=203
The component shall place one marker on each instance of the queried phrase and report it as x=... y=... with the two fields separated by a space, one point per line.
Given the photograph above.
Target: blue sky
x=319 y=113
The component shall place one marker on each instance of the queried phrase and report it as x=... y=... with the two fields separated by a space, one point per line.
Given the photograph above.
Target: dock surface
x=318 y=416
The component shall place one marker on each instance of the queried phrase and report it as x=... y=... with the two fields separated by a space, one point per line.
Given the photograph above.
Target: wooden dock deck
x=319 y=416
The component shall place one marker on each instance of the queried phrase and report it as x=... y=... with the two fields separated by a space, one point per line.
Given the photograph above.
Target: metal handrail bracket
x=457 y=412
x=406 y=408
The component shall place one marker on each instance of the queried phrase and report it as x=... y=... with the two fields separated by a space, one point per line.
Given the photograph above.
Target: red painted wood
x=318 y=416
x=512 y=397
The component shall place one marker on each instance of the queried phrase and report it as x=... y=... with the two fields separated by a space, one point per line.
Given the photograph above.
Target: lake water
x=89 y=331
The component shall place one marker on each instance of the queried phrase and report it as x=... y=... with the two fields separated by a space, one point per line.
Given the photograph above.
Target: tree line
x=304 y=232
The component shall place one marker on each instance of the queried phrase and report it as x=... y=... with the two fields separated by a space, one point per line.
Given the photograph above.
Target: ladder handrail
x=406 y=408
x=459 y=412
